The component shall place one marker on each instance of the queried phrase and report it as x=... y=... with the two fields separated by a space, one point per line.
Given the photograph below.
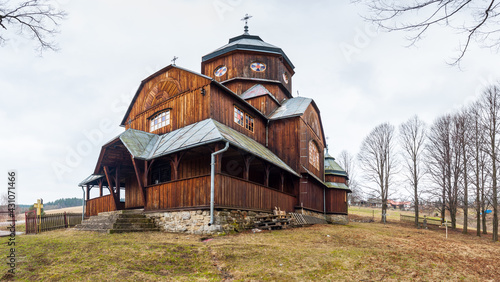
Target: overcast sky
x=58 y=110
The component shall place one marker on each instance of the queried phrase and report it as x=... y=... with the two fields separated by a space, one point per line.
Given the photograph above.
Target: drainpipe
x=83 y=203
x=212 y=182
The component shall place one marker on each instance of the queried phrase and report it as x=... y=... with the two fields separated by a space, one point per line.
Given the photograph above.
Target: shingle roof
x=250 y=43
x=291 y=107
x=144 y=145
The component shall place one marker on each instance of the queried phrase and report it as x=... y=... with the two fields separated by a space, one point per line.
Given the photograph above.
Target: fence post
x=65 y=221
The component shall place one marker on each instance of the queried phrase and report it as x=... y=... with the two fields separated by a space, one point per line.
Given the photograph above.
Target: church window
x=160 y=120
x=220 y=71
x=258 y=67
x=313 y=155
x=249 y=122
x=238 y=116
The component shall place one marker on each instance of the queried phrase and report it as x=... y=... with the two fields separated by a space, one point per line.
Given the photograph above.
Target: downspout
x=83 y=203
x=212 y=182
x=267 y=134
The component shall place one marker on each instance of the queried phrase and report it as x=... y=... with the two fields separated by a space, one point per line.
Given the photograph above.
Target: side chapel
x=268 y=147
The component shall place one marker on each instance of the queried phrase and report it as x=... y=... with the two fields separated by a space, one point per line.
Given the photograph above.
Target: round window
x=220 y=71
x=258 y=67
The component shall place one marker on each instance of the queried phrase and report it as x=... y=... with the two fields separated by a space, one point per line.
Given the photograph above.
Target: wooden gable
x=182 y=92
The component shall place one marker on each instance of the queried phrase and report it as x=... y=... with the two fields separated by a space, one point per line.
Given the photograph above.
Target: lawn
x=358 y=251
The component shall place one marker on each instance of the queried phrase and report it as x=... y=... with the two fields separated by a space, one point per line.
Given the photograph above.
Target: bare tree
x=463 y=125
x=377 y=159
x=412 y=136
x=36 y=19
x=346 y=161
x=478 y=167
x=477 y=21
x=490 y=101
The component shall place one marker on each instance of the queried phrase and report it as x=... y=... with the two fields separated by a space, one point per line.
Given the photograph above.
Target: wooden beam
x=88 y=192
x=100 y=187
x=139 y=180
x=175 y=161
x=248 y=160
x=267 y=170
x=110 y=185
x=282 y=182
x=117 y=183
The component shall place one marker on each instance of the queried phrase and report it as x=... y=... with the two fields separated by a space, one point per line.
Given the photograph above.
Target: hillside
x=358 y=251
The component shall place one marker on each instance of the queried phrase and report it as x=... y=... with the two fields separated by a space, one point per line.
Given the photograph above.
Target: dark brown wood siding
x=308 y=134
x=284 y=141
x=222 y=106
x=238 y=65
x=133 y=197
x=334 y=178
x=230 y=192
x=311 y=194
x=264 y=104
x=177 y=90
x=100 y=204
x=336 y=201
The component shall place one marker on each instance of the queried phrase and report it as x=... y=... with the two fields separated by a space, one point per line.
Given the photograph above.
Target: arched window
x=313 y=154
x=159 y=120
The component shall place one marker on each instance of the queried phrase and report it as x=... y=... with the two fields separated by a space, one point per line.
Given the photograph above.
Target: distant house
x=229 y=138
x=374 y=202
x=399 y=205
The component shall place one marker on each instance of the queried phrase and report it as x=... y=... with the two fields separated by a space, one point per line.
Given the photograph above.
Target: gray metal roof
x=338 y=186
x=144 y=145
x=250 y=43
x=291 y=107
x=90 y=179
x=256 y=91
x=332 y=167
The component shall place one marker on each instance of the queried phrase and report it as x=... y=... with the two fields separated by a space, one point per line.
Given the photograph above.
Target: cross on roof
x=174 y=59
x=246 y=18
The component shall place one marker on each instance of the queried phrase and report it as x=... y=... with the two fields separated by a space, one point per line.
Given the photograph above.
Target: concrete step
x=118 y=222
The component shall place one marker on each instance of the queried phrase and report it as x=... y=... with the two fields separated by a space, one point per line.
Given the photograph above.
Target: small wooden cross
x=38 y=207
x=174 y=59
x=246 y=18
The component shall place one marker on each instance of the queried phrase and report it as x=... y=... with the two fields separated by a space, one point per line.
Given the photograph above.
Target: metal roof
x=144 y=145
x=291 y=107
x=90 y=179
x=256 y=91
x=249 y=43
x=332 y=167
x=338 y=186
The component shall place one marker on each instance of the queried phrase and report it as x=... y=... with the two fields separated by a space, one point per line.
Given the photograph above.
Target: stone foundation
x=196 y=222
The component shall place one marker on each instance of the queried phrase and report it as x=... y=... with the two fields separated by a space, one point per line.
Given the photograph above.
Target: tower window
x=249 y=122
x=160 y=120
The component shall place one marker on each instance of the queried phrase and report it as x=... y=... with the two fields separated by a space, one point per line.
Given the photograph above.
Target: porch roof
x=148 y=146
x=337 y=185
x=91 y=179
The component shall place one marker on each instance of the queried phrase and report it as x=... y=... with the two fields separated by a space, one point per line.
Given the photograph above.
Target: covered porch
x=172 y=172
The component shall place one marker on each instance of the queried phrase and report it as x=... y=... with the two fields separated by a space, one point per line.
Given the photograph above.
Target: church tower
x=257 y=71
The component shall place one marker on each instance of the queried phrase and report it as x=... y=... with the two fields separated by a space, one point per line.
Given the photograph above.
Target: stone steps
x=118 y=222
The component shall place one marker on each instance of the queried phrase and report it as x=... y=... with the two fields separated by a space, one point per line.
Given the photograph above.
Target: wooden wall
x=306 y=135
x=101 y=204
x=194 y=165
x=238 y=65
x=222 y=110
x=264 y=104
x=336 y=201
x=176 y=89
x=284 y=139
x=133 y=197
x=237 y=193
x=335 y=178
x=311 y=194
x=230 y=192
x=239 y=87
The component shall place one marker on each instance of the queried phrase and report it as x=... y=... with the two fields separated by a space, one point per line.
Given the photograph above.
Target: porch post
x=117 y=183
x=110 y=185
x=100 y=187
x=246 y=173
x=267 y=171
x=88 y=192
x=139 y=181
x=282 y=182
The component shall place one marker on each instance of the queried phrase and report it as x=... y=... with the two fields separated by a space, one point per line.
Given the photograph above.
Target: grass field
x=358 y=251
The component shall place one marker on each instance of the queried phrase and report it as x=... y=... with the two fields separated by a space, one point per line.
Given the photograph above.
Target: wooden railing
x=230 y=192
x=238 y=193
x=411 y=218
x=100 y=204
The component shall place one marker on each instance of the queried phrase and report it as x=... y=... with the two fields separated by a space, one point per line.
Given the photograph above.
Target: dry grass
x=359 y=251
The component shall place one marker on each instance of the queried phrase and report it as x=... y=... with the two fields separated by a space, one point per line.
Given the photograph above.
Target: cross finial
x=174 y=59
x=246 y=18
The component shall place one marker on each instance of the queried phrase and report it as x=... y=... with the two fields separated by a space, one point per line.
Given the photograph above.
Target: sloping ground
x=359 y=251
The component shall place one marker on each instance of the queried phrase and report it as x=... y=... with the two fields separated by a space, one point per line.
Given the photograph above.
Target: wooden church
x=232 y=137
